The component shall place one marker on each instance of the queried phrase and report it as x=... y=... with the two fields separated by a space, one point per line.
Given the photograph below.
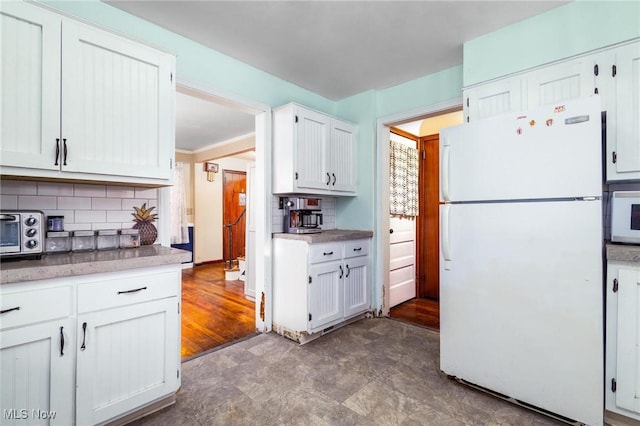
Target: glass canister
x=55 y=223
x=129 y=238
x=58 y=242
x=83 y=241
x=107 y=239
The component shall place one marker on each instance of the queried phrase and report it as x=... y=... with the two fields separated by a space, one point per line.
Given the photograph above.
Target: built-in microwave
x=21 y=234
x=625 y=217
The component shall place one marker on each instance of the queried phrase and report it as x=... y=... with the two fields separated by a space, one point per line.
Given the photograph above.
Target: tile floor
x=373 y=372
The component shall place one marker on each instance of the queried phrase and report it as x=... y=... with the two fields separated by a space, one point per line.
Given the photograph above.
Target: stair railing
x=230 y=226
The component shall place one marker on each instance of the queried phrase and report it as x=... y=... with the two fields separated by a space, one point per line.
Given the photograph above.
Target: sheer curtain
x=403 y=182
x=178 y=197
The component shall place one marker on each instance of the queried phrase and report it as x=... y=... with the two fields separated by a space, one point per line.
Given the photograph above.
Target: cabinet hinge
x=296 y=119
x=614 y=385
x=171 y=77
x=467 y=118
x=296 y=176
x=178 y=307
x=178 y=374
x=595 y=91
x=467 y=102
x=615 y=285
x=309 y=317
x=614 y=70
x=309 y=279
x=170 y=163
x=595 y=70
x=614 y=157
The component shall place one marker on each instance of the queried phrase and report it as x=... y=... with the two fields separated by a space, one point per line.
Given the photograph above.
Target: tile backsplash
x=84 y=206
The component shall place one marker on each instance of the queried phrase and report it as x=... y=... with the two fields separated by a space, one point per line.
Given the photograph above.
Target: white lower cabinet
x=622 y=381
x=319 y=286
x=98 y=348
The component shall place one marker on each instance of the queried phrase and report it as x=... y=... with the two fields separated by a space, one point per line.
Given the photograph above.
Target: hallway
x=214 y=311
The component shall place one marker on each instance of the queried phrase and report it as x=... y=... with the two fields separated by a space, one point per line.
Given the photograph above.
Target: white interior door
x=402 y=260
x=521 y=302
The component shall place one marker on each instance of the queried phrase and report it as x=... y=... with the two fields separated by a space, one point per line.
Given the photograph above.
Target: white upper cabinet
x=105 y=102
x=498 y=97
x=623 y=117
x=612 y=73
x=560 y=82
x=29 y=86
x=313 y=153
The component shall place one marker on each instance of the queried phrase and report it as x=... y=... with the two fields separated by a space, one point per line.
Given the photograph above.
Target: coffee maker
x=302 y=215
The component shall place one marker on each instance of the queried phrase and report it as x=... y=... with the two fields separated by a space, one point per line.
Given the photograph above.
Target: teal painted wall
x=195 y=63
x=575 y=28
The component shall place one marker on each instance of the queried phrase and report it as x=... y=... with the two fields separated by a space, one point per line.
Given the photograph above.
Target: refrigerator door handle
x=445 y=240
x=446 y=157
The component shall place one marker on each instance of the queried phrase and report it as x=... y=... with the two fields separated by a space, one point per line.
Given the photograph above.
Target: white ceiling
x=335 y=48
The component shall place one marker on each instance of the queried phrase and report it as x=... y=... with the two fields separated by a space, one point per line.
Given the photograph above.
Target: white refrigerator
x=521 y=266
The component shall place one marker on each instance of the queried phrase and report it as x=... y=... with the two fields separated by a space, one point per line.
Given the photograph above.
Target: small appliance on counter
x=625 y=217
x=302 y=215
x=21 y=234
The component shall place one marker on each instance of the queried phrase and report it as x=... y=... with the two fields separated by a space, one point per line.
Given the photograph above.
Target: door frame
x=381 y=293
x=263 y=212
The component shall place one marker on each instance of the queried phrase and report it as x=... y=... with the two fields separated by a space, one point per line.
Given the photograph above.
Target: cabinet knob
x=391 y=231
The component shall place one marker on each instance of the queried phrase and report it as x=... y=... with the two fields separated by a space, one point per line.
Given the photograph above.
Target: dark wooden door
x=428 y=221
x=234 y=204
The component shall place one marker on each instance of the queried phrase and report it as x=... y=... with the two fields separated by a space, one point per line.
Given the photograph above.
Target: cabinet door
x=117 y=103
x=37 y=379
x=127 y=357
x=628 y=340
x=356 y=286
x=29 y=86
x=623 y=126
x=495 y=98
x=342 y=157
x=312 y=145
x=325 y=294
x=561 y=82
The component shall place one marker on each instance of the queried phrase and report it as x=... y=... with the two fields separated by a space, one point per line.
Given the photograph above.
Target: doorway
x=234 y=216
x=218 y=311
x=423 y=307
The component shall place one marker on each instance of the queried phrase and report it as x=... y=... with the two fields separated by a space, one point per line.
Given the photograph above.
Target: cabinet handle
x=341 y=271
x=84 y=336
x=360 y=248
x=64 y=141
x=61 y=341
x=328 y=178
x=328 y=253
x=135 y=290
x=348 y=272
x=334 y=179
x=57 y=151
x=4 y=311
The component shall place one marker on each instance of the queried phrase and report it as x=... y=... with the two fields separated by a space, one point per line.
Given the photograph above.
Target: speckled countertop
x=327 y=236
x=623 y=252
x=65 y=265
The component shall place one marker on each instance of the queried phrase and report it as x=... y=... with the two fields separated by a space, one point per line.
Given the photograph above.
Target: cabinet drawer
x=325 y=252
x=106 y=294
x=356 y=248
x=35 y=306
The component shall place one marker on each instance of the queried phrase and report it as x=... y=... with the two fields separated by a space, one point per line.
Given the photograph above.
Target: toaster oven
x=21 y=234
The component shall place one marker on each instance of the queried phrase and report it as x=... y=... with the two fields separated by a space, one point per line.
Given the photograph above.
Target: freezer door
x=521 y=302
x=553 y=152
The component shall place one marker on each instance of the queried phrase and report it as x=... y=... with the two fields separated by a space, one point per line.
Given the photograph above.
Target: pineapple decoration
x=144 y=223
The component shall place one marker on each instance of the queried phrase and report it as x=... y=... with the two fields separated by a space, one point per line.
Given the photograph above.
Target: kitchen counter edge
x=623 y=253
x=327 y=236
x=72 y=264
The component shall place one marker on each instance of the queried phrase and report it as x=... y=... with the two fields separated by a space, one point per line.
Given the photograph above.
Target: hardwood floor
x=214 y=311
x=425 y=312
